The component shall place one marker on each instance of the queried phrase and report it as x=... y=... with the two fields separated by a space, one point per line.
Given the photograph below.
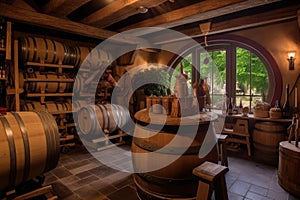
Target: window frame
x=228 y=43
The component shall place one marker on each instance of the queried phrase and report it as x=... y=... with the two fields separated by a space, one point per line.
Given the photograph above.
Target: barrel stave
x=28 y=140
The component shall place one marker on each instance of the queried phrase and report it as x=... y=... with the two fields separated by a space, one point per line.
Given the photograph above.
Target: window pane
x=187 y=69
x=251 y=78
x=243 y=72
x=260 y=81
x=213 y=67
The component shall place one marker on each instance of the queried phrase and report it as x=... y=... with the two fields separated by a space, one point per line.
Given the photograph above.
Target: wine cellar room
x=149 y=100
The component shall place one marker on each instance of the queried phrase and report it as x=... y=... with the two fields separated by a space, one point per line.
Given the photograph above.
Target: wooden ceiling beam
x=117 y=11
x=203 y=10
x=235 y=24
x=52 y=5
x=62 y=8
x=7 y=1
x=43 y=20
x=33 y=5
x=23 y=4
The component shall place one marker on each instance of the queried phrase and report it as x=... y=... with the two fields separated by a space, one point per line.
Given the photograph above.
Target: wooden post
x=8 y=41
x=16 y=70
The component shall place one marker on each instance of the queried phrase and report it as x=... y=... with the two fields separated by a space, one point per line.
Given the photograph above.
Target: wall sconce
x=291 y=59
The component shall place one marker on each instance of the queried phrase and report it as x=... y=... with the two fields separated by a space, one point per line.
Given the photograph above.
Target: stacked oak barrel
x=78 y=62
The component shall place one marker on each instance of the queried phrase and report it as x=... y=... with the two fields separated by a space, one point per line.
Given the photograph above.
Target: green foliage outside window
x=251 y=74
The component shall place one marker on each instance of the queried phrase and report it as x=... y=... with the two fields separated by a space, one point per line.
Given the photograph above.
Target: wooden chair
x=239 y=133
x=211 y=177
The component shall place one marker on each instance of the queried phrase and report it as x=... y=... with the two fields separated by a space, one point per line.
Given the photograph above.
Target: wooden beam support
x=203 y=10
x=63 y=8
x=117 y=11
x=235 y=24
x=43 y=20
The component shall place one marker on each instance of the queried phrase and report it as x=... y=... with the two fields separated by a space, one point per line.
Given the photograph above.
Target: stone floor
x=80 y=176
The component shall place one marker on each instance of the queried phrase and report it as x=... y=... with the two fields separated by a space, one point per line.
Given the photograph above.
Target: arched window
x=234 y=66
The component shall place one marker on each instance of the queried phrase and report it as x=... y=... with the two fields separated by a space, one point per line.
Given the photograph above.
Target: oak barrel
x=35 y=49
x=266 y=139
x=81 y=54
x=97 y=57
x=288 y=167
x=107 y=117
x=175 y=180
x=79 y=84
x=49 y=106
x=29 y=146
x=48 y=82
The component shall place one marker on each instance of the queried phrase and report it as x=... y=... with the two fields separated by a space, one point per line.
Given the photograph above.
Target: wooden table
x=266 y=134
x=251 y=117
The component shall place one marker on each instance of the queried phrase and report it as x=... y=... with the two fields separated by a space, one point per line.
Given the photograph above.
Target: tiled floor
x=80 y=176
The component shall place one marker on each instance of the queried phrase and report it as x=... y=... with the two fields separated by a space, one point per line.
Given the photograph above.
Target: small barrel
x=288 y=167
x=81 y=54
x=54 y=107
x=33 y=105
x=34 y=49
x=266 y=139
x=49 y=106
x=46 y=82
x=97 y=57
x=29 y=146
x=79 y=84
x=107 y=117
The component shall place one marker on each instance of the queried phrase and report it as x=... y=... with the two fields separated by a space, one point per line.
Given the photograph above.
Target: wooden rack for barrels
x=93 y=118
x=66 y=139
x=42 y=93
x=17 y=90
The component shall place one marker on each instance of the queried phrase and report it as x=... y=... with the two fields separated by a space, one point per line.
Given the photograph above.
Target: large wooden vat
x=107 y=117
x=288 y=167
x=175 y=180
x=266 y=139
x=29 y=144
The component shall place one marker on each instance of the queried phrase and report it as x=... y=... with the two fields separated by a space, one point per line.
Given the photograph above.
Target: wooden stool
x=212 y=176
x=239 y=134
x=222 y=149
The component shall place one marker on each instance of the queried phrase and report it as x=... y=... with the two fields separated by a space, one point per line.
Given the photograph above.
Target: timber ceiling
x=107 y=17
